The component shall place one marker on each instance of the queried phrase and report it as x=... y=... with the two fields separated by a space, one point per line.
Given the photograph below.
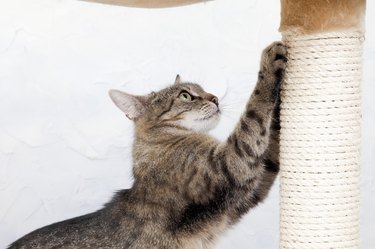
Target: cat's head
x=182 y=104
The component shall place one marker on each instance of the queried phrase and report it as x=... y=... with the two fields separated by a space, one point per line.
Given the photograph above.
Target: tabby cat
x=188 y=187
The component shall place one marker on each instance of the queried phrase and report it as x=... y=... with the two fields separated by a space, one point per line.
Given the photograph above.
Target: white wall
x=65 y=148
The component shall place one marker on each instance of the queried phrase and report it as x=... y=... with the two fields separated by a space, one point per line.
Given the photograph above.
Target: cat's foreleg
x=252 y=150
x=270 y=160
x=248 y=145
x=238 y=165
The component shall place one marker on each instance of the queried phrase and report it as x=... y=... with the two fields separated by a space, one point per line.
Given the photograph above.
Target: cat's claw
x=273 y=64
x=274 y=57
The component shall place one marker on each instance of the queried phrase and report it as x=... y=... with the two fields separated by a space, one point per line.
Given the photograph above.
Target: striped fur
x=189 y=187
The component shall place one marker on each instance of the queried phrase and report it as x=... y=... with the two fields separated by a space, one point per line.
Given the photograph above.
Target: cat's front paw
x=273 y=64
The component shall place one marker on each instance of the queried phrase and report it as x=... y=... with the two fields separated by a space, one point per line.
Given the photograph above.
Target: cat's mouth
x=207 y=117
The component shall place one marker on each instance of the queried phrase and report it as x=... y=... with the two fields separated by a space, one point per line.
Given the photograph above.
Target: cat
x=188 y=187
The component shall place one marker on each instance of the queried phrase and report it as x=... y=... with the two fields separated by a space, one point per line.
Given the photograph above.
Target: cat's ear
x=133 y=106
x=177 y=80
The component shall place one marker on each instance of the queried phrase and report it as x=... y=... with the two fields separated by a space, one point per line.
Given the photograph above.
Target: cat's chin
x=202 y=124
x=210 y=124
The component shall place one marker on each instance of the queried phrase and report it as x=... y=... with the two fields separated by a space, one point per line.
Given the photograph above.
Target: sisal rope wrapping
x=320 y=141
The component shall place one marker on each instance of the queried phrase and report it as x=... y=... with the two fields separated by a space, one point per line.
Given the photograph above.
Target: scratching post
x=320 y=124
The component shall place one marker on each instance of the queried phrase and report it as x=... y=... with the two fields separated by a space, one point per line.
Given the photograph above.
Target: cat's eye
x=186 y=96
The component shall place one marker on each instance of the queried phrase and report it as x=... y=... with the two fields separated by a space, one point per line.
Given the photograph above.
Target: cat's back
x=60 y=234
x=101 y=229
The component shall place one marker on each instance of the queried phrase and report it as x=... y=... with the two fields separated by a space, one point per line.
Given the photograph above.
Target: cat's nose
x=215 y=100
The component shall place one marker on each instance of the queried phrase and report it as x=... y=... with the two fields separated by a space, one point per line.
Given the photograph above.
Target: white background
x=65 y=148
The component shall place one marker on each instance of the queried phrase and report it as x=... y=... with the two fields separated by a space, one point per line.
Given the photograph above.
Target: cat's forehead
x=191 y=87
x=174 y=90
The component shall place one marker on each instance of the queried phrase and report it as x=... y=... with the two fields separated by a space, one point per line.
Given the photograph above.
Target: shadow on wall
x=148 y=4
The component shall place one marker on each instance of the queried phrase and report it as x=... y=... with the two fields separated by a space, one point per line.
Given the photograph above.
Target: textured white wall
x=65 y=148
